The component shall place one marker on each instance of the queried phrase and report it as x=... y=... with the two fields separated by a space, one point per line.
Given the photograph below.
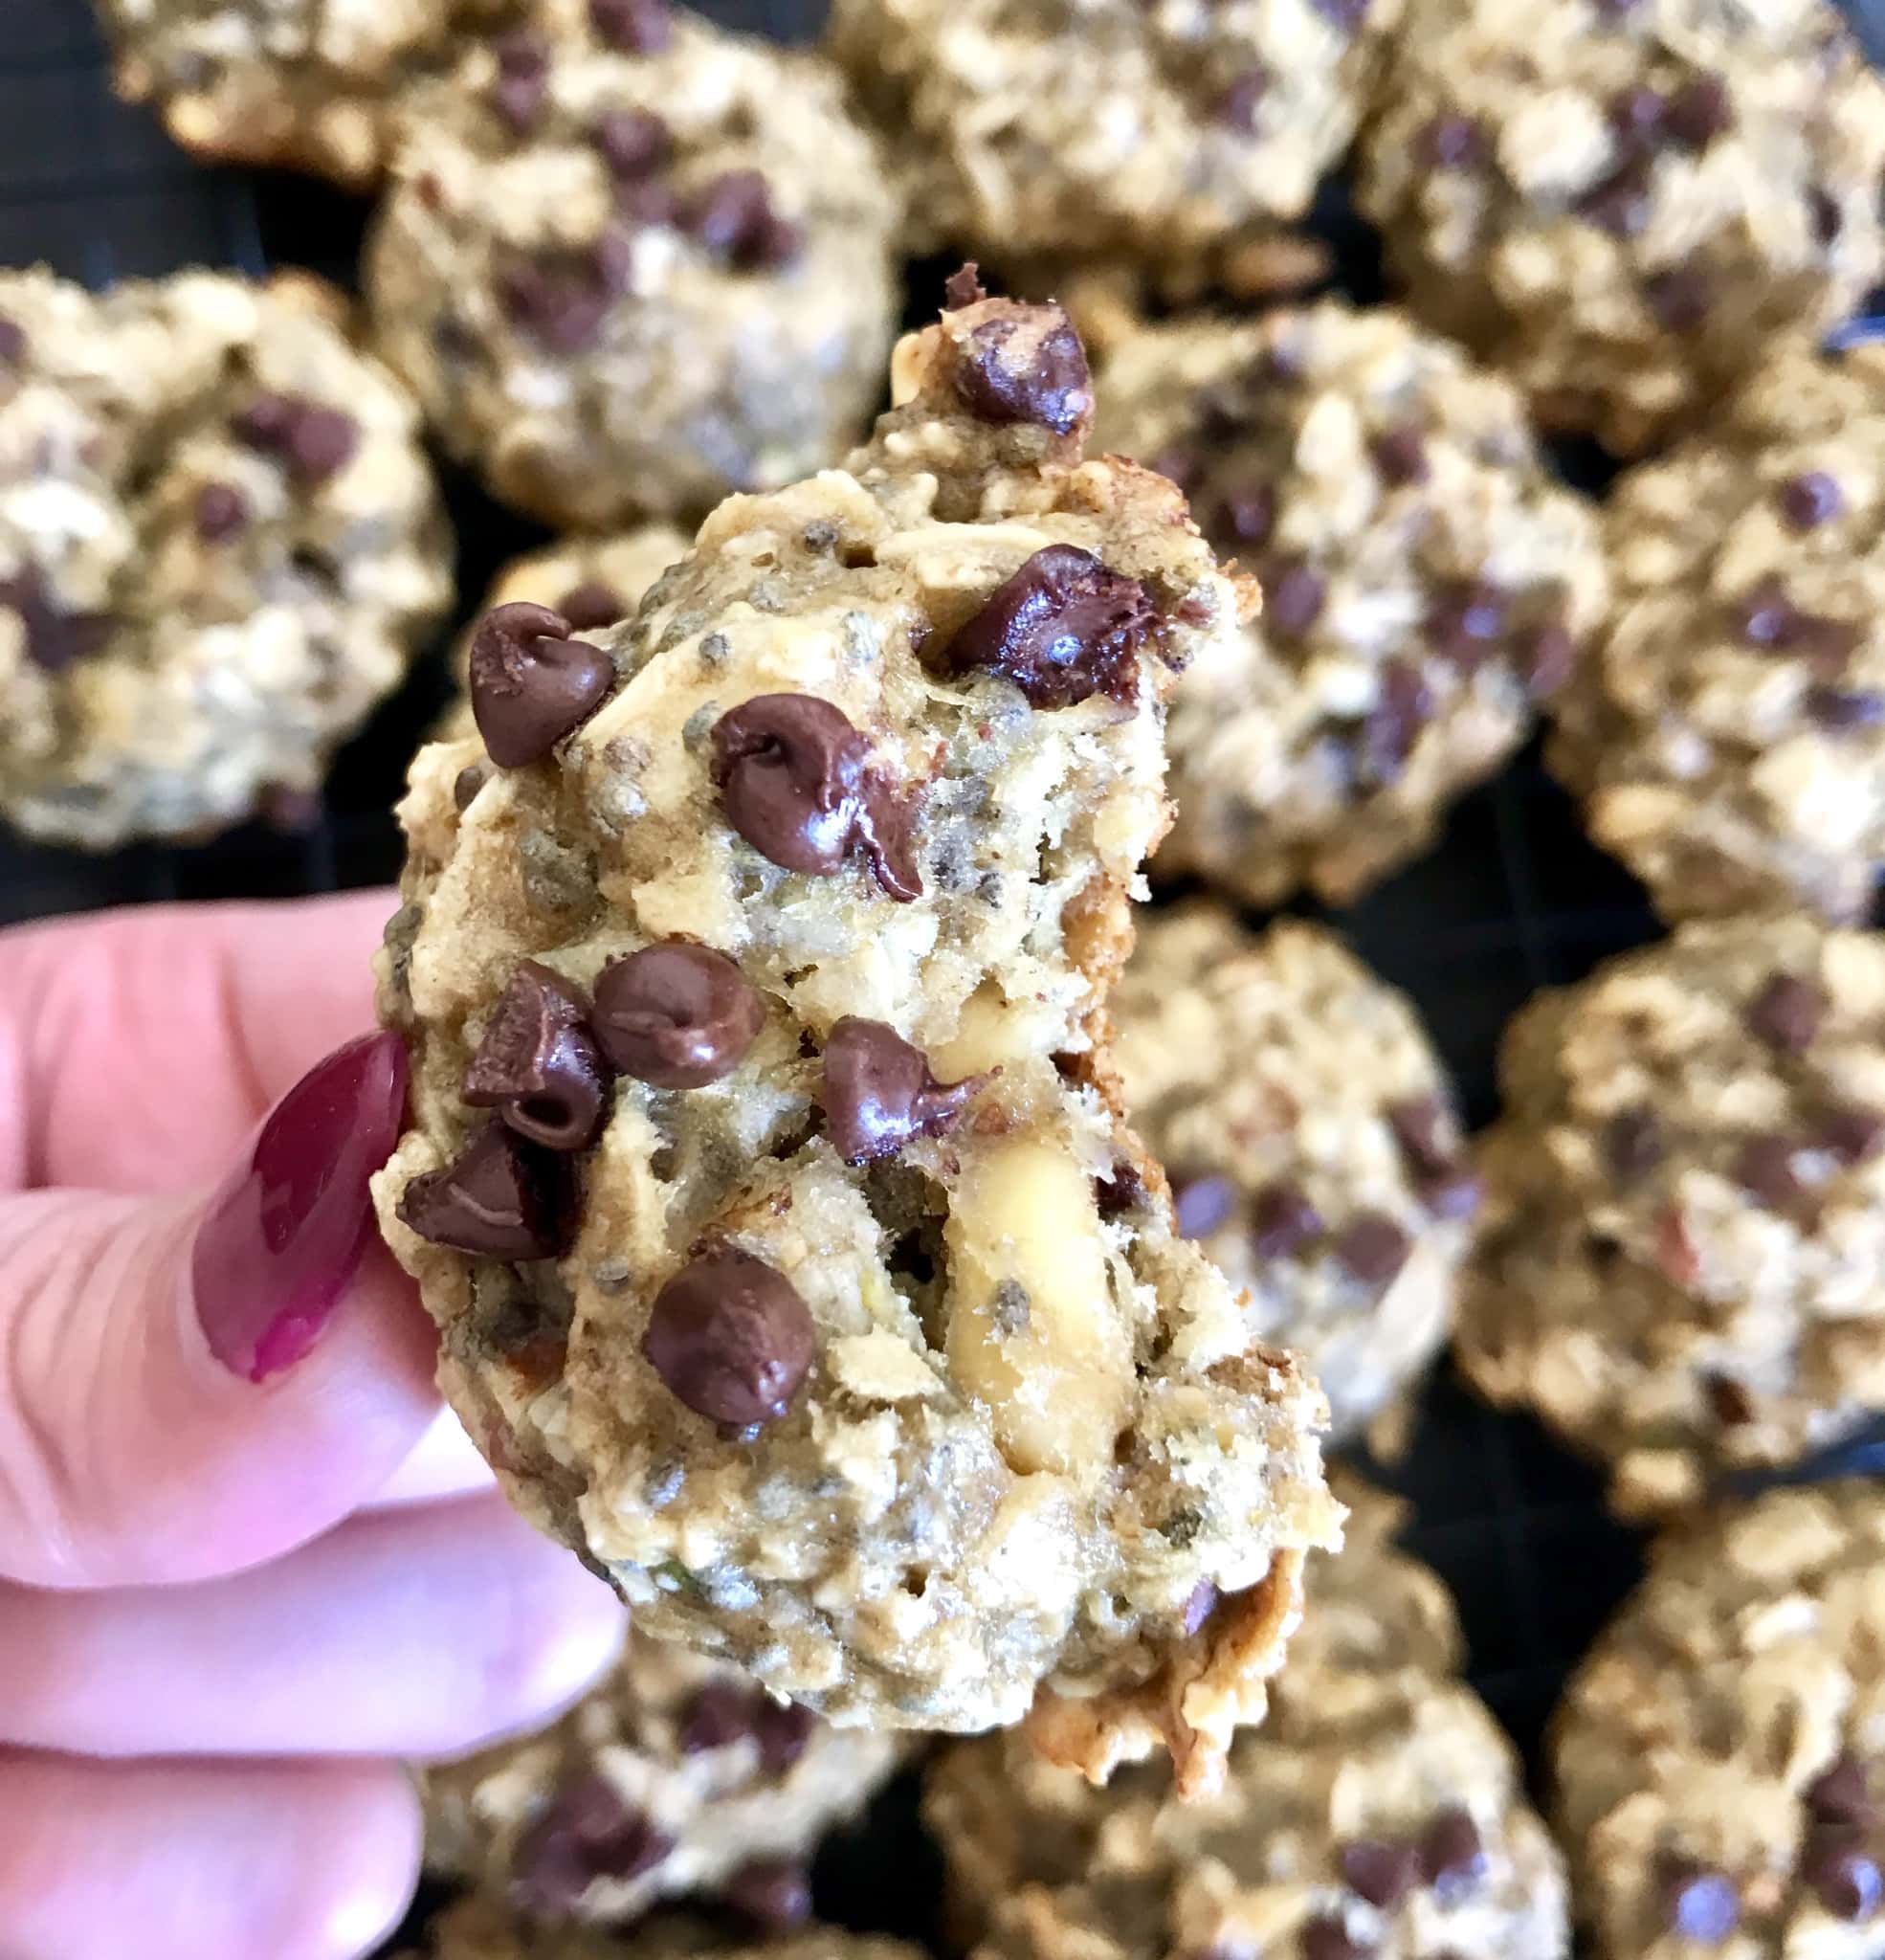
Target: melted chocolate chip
x=635 y=26
x=1327 y=1939
x=1282 y=1220
x=676 y=1014
x=587 y=1831
x=537 y=1064
x=1203 y=1204
x=1698 y=1901
x=1547 y=657
x=312 y=442
x=1380 y=1870
x=1632 y=1144
x=772 y=1894
x=531 y=685
x=1292 y=597
x=733 y=219
x=1061 y=628
x=1839 y=708
x=719 y=1715
x=1787 y=1014
x=222 y=513
x=1839 y=1794
x=1243 y=95
x=1452 y=1860
x=1372 y=1249
x=1636 y=114
x=589 y=606
x=561 y=299
x=1681 y=299
x=1393 y=724
x=1400 y=455
x=731 y=1339
x=1451 y=143
x=522 y=80
x=783 y=1729
x=1246 y=512
x=879 y=1095
x=54 y=639
x=1811 y=499
x=1848 y=1133
x=1025 y=366
x=794 y=782
x=1700 y=111
x=633 y=142
x=1763 y=1168
x=964 y=287
x=502 y=1199
x=1465 y=623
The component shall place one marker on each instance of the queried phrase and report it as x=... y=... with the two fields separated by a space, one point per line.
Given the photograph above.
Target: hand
x=246 y=1561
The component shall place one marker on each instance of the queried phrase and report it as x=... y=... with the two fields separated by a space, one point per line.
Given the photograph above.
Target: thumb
x=189 y=1388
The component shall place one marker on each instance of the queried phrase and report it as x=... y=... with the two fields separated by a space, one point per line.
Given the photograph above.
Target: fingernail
x=287 y=1231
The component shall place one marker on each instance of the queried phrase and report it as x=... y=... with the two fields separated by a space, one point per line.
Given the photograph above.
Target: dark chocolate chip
x=1243 y=95
x=1292 y=597
x=531 y=685
x=731 y=1339
x=1282 y=1220
x=676 y=1014
x=1787 y=1014
x=1769 y=619
x=1423 y=1131
x=1381 y=1870
x=12 y=341
x=1327 y=1939
x=1839 y=1795
x=522 y=80
x=312 y=442
x=964 y=287
x=1246 y=512
x=586 y=1832
x=1700 y=111
x=466 y=785
x=222 y=513
x=1025 y=366
x=1843 y=1873
x=1632 y=1144
x=1848 y=1133
x=1372 y=1248
x=1681 y=299
x=1200 y=1603
x=1636 y=114
x=502 y=1199
x=1400 y=454
x=878 y=1092
x=733 y=219
x=1346 y=14
x=1697 y=1901
x=1763 y=1168
x=591 y=605
x=633 y=142
x=1120 y=1190
x=1465 y=622
x=1620 y=204
x=719 y=1715
x=634 y=27
x=1452 y=1859
x=1822 y=211
x=1061 y=628
x=1547 y=657
x=772 y=1894
x=783 y=1729
x=794 y=781
x=561 y=299
x=1456 y=1194
x=1839 y=708
x=1811 y=498
x=1615 y=10
x=54 y=639
x=1203 y=1203
x=1451 y=143
x=538 y=1065
x=1395 y=723
x=1728 y=1400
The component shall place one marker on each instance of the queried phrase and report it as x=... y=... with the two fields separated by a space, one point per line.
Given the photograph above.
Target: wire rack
x=1513 y=900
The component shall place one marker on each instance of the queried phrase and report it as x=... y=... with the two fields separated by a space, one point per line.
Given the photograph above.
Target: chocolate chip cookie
x=1721 y=1764
x=1728 y=740
x=1425 y=583
x=676 y=1777
x=1310 y=1136
x=219 y=542
x=1682 y=1261
x=1379 y=1812
x=1625 y=202
x=766 y=1177
x=480 y=1928
x=629 y=262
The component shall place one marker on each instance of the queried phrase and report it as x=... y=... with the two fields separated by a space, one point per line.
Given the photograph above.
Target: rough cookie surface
x=677 y=1776
x=1729 y=738
x=1377 y=1811
x=1721 y=1756
x=1623 y=202
x=1309 y=1133
x=219 y=542
x=629 y=262
x=1682 y=1260
x=1110 y=130
x=1424 y=582
x=868 y=1355
x=478 y=1928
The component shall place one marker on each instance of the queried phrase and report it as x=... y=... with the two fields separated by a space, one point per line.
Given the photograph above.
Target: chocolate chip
x=1465 y=622
x=633 y=142
x=1839 y=708
x=676 y=1014
x=1246 y=512
x=1822 y=209
x=1203 y=1204
x=1237 y=106
x=537 y=1064
x=1616 y=10
x=1632 y=1144
x=1763 y=1168
x=1199 y=1604
x=1811 y=499
x=1372 y=1248
x=1547 y=657
x=794 y=781
x=1848 y=1133
x=879 y=1093
x=1769 y=619
x=592 y=605
x=1636 y=114
x=561 y=299
x=1400 y=454
x=522 y=80
x=1728 y=1400
x=1787 y=1014
x=531 y=685
x=1451 y=143
x=1282 y=1220
x=1700 y=111
x=502 y=1199
x=1346 y=14
x=730 y=1339
x=1452 y=1860
x=1120 y=1190
x=783 y=1729
x=1292 y=597
x=1456 y=1194
x=311 y=441
x=1025 y=366
x=1421 y=1129
x=1839 y=1794
x=733 y=219
x=1061 y=628
x=222 y=513
x=964 y=287
x=635 y=26
x=1681 y=299
x=12 y=341
x=1381 y=1870
x=771 y=1893
x=1327 y=1939
x=718 y=1716
x=1393 y=724
x=1844 y=1875
x=587 y=1831
x=1620 y=204
x=466 y=785
x=54 y=639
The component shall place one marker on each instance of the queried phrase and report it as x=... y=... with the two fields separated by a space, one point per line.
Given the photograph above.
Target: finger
x=445 y=1463
x=182 y=1861
x=187 y=1391
x=137 y=1049
x=422 y=1632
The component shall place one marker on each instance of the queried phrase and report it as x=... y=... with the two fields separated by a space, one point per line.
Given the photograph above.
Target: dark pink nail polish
x=287 y=1230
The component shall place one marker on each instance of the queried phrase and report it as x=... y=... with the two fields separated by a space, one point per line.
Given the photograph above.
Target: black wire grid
x=1513 y=900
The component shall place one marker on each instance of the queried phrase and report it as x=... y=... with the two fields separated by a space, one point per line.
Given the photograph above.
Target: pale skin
x=229 y=1609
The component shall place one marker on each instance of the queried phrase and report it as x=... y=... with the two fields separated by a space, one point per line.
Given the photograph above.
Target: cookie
x=1624 y=202
x=1728 y=740
x=220 y=544
x=478 y=1928
x=628 y=262
x=1311 y=1139
x=1720 y=1754
x=1425 y=583
x=1165 y=137
x=1377 y=1811
x=677 y=1776
x=822 y=1299
x=1681 y=1266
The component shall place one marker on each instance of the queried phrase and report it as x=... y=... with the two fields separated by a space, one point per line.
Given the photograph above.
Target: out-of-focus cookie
x=1728 y=736
x=1623 y=202
x=1720 y=1753
x=219 y=542
x=1425 y=583
x=480 y=1928
x=1309 y=1133
x=628 y=262
x=1681 y=1266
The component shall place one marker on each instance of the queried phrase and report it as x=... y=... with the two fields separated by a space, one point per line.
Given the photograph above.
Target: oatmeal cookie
x=1623 y=202
x=768 y=1181
x=679 y=1775
x=1720 y=1754
x=629 y=262
x=1728 y=739
x=1681 y=1264
x=480 y=1928
x=1424 y=582
x=219 y=542
x=1310 y=1136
